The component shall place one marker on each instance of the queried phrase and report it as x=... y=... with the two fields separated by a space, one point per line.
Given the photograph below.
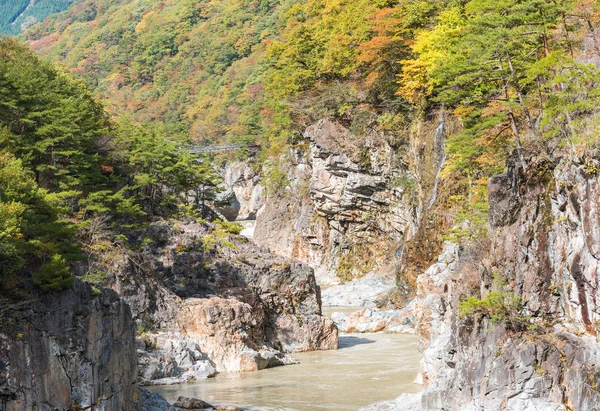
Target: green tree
x=32 y=237
x=50 y=121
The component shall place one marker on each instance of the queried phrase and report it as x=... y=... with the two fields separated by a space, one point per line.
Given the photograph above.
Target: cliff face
x=201 y=301
x=68 y=351
x=545 y=245
x=243 y=194
x=350 y=200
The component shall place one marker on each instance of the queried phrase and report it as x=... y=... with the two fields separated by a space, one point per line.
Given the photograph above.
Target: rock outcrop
x=69 y=350
x=207 y=301
x=544 y=249
x=360 y=292
x=373 y=320
x=242 y=194
x=350 y=201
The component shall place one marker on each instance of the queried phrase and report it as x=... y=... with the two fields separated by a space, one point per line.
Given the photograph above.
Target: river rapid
x=366 y=368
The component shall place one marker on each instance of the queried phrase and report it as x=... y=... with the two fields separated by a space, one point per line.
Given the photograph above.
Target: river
x=366 y=368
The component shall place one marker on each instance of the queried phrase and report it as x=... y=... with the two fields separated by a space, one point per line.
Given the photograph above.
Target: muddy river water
x=366 y=368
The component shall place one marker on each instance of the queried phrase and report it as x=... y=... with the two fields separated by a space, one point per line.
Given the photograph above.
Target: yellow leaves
x=143 y=24
x=415 y=81
x=461 y=112
x=430 y=48
x=322 y=38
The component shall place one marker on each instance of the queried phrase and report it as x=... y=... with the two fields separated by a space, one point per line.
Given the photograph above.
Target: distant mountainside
x=19 y=15
x=197 y=66
x=230 y=70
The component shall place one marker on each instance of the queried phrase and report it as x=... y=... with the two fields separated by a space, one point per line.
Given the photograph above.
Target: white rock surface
x=361 y=292
x=373 y=320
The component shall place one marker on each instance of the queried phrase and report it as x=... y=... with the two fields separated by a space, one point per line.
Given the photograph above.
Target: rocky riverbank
x=230 y=307
x=374 y=320
x=544 y=357
x=191 y=298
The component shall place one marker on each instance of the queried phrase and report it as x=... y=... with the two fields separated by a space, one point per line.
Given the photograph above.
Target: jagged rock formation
x=242 y=194
x=75 y=349
x=230 y=307
x=350 y=201
x=545 y=246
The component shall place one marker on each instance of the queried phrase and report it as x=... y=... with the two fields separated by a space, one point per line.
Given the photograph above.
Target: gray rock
x=503 y=195
x=345 y=195
x=405 y=402
x=360 y=292
x=170 y=358
x=59 y=349
x=152 y=401
x=192 y=404
x=234 y=307
x=242 y=194
x=544 y=247
x=373 y=320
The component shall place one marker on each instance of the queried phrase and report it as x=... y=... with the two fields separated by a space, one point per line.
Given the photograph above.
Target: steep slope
x=197 y=66
x=278 y=69
x=19 y=15
x=75 y=348
x=356 y=94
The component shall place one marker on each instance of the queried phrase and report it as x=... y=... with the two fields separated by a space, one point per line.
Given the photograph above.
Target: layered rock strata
x=350 y=200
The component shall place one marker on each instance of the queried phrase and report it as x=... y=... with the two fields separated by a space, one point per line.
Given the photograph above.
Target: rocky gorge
x=547 y=358
x=542 y=246
x=195 y=310
x=417 y=180
x=196 y=300
x=348 y=205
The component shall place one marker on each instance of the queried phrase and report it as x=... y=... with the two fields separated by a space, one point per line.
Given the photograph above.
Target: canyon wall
x=542 y=257
x=69 y=350
x=350 y=205
x=206 y=301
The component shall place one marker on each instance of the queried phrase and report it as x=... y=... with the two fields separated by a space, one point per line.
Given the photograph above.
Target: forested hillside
x=19 y=15
x=505 y=75
x=443 y=152
x=64 y=162
x=262 y=71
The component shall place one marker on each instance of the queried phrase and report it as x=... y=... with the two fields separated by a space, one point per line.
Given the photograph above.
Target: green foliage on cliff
x=32 y=235
x=63 y=161
x=500 y=307
x=241 y=70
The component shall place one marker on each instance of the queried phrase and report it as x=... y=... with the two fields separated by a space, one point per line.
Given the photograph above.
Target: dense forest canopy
x=64 y=163
x=243 y=70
